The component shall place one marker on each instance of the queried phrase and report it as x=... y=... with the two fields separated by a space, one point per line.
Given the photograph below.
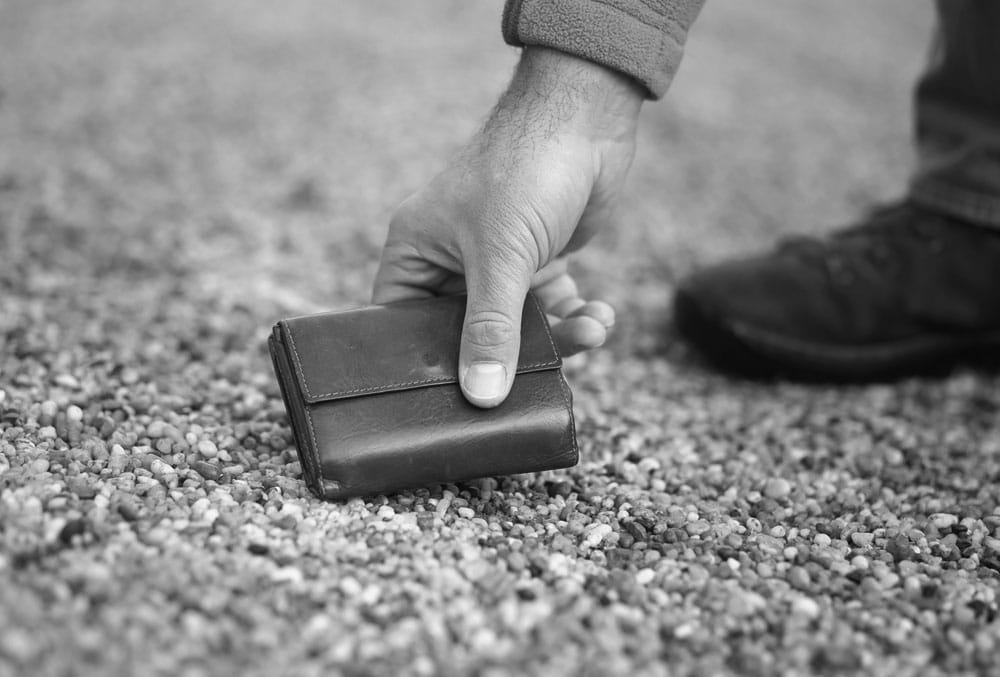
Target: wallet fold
x=375 y=405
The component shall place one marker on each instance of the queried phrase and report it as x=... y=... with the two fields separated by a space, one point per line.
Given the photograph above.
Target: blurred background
x=253 y=153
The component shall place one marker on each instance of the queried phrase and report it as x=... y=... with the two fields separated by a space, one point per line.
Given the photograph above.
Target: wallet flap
x=399 y=346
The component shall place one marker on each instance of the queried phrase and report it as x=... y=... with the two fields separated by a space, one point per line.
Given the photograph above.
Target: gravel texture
x=174 y=177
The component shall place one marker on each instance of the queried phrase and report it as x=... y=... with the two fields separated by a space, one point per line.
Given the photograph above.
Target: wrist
x=572 y=92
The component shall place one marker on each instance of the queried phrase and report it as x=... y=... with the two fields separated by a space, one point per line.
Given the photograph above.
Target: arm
x=536 y=182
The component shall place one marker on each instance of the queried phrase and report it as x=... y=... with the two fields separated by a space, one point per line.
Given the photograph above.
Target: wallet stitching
x=314 y=451
x=298 y=362
x=410 y=384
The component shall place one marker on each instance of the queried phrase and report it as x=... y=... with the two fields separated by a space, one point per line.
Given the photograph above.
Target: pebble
x=777 y=487
x=128 y=509
x=862 y=539
x=82 y=487
x=209 y=471
x=645 y=576
x=596 y=534
x=799 y=577
x=698 y=527
x=943 y=520
x=48 y=410
x=805 y=606
x=74 y=413
x=208 y=449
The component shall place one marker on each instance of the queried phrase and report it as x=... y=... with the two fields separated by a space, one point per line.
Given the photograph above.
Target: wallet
x=375 y=405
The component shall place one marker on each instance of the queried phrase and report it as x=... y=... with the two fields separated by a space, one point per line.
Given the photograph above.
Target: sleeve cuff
x=642 y=39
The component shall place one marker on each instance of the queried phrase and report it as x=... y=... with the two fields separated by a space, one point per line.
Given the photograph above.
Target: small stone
x=943 y=520
x=48 y=411
x=208 y=449
x=697 y=527
x=862 y=539
x=900 y=548
x=67 y=381
x=258 y=549
x=72 y=528
x=209 y=471
x=81 y=487
x=517 y=562
x=563 y=489
x=47 y=433
x=645 y=576
x=684 y=630
x=805 y=606
x=992 y=544
x=74 y=413
x=799 y=577
x=562 y=543
x=287 y=574
x=777 y=487
x=466 y=513
x=39 y=466
x=159 y=468
x=156 y=429
x=596 y=534
x=118 y=459
x=350 y=587
x=128 y=510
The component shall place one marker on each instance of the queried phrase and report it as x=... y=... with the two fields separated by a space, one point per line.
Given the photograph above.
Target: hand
x=536 y=182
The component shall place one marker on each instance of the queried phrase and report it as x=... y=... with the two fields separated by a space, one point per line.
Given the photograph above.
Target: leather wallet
x=375 y=405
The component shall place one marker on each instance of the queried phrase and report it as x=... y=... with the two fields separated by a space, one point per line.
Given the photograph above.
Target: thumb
x=491 y=336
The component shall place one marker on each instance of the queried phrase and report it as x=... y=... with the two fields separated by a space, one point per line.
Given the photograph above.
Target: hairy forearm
x=557 y=91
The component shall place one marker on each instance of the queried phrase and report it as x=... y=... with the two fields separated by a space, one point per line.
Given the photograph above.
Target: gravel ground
x=176 y=176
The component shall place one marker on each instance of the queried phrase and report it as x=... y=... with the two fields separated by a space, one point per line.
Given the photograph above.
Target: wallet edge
x=312 y=465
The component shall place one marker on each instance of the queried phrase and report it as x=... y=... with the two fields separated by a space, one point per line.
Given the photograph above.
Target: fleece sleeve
x=641 y=38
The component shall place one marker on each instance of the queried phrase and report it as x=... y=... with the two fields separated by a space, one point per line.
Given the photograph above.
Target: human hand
x=535 y=183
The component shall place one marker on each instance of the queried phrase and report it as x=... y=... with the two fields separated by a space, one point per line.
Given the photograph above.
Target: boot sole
x=750 y=351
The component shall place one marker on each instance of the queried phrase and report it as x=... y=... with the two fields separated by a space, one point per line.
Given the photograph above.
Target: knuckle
x=489 y=329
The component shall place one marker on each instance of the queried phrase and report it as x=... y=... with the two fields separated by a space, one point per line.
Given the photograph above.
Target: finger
x=391 y=292
x=598 y=310
x=578 y=334
x=567 y=306
x=550 y=271
x=403 y=276
x=497 y=284
x=554 y=286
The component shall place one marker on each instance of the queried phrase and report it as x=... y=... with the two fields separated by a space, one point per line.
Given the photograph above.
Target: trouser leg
x=958 y=114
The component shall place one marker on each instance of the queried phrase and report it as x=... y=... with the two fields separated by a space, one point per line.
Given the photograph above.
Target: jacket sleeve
x=641 y=38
